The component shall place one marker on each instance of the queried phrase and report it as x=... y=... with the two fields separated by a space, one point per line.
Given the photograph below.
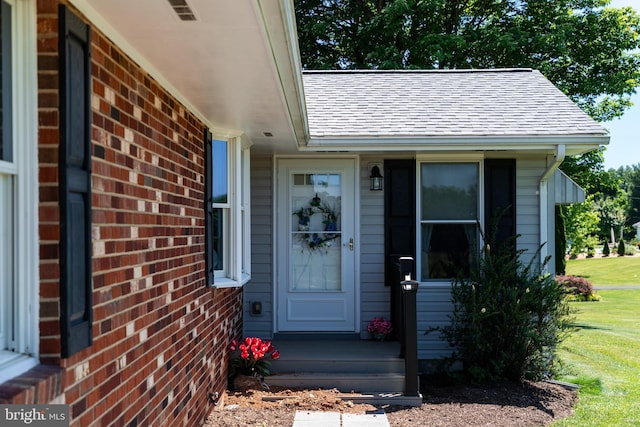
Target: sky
x=624 y=146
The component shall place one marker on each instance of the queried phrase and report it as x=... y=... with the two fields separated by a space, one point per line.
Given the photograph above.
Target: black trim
x=399 y=227
x=500 y=202
x=208 y=208
x=76 y=314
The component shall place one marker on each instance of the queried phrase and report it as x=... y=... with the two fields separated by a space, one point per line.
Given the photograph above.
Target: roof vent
x=182 y=9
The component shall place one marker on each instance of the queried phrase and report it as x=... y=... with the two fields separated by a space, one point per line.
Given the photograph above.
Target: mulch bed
x=505 y=404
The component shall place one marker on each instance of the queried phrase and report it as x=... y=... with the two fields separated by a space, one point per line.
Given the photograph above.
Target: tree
x=582 y=229
x=584 y=47
x=612 y=215
x=607 y=194
x=630 y=183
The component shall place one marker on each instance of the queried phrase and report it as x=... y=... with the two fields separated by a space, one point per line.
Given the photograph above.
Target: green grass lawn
x=611 y=270
x=603 y=355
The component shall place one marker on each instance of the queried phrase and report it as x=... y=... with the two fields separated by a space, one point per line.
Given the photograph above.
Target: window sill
x=42 y=383
x=13 y=364
x=225 y=282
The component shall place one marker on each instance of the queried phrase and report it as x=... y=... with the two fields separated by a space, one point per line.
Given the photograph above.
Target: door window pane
x=316 y=232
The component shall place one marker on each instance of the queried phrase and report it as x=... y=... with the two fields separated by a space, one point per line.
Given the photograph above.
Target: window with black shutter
x=75 y=183
x=208 y=208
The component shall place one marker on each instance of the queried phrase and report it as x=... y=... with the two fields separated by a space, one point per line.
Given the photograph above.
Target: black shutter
x=399 y=226
x=208 y=208
x=500 y=202
x=75 y=183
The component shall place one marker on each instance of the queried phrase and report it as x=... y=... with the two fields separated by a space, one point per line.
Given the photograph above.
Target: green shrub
x=578 y=288
x=605 y=248
x=507 y=319
x=629 y=249
x=621 y=248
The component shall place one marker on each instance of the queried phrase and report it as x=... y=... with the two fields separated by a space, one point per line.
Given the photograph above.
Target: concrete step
x=357 y=357
x=380 y=365
x=345 y=382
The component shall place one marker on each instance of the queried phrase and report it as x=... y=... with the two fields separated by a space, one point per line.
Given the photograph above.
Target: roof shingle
x=459 y=103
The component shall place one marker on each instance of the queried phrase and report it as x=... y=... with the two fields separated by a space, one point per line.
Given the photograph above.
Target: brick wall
x=159 y=335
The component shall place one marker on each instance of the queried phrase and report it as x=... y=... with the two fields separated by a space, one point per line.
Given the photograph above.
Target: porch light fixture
x=375 y=178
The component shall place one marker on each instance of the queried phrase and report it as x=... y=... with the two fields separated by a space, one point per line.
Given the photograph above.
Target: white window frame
x=20 y=307
x=236 y=237
x=459 y=159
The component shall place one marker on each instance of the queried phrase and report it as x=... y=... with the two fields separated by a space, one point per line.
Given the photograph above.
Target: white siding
x=374 y=295
x=528 y=172
x=433 y=301
x=261 y=284
x=433 y=310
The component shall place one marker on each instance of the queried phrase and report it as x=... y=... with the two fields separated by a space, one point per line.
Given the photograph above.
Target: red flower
x=249 y=356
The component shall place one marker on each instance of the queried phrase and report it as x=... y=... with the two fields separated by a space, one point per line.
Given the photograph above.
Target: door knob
x=351 y=244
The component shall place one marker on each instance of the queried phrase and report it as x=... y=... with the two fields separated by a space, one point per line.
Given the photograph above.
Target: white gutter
x=544 y=199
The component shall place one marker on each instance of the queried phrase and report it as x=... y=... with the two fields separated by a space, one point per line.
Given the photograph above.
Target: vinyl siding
x=374 y=295
x=528 y=172
x=260 y=288
x=433 y=301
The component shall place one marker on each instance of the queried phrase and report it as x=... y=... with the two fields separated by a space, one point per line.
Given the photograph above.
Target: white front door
x=315 y=248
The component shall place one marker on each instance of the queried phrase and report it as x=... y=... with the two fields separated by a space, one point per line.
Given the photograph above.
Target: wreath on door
x=317 y=240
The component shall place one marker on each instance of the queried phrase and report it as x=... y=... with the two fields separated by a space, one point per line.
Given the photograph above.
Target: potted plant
x=250 y=361
x=379 y=328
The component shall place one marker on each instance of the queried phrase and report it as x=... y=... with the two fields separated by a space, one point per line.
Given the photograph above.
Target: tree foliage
x=629 y=177
x=582 y=46
x=581 y=226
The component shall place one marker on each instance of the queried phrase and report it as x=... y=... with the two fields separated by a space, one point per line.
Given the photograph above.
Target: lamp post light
x=409 y=293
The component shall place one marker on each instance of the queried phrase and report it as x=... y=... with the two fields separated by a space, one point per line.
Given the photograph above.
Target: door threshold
x=316 y=336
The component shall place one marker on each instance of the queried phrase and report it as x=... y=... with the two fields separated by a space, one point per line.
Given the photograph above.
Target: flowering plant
x=380 y=327
x=251 y=356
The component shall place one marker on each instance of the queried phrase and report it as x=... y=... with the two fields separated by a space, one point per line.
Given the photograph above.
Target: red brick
x=129 y=264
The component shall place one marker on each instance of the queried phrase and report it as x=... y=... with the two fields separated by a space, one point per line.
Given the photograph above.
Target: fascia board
x=575 y=143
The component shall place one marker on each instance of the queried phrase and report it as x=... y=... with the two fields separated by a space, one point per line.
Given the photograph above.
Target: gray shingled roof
x=474 y=103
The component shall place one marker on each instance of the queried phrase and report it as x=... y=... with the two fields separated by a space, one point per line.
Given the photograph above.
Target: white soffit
x=220 y=59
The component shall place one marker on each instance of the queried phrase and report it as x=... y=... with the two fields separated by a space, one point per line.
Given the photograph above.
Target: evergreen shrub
x=508 y=319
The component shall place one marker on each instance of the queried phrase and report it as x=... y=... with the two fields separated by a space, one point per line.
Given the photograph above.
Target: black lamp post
x=409 y=293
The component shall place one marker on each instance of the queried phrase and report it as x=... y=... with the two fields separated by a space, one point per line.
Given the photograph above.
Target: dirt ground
x=528 y=404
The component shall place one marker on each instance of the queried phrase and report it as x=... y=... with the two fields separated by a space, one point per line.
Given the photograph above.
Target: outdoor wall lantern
x=375 y=178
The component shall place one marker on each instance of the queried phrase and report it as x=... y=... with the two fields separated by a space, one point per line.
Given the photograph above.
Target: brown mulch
x=524 y=405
